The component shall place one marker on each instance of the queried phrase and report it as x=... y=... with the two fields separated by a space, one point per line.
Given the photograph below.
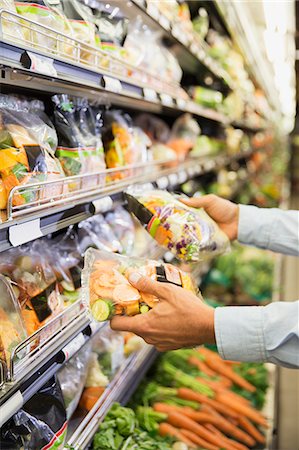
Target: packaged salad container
x=107 y=291
x=189 y=233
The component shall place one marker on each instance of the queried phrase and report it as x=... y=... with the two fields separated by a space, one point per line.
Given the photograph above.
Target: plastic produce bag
x=26 y=151
x=12 y=330
x=107 y=291
x=156 y=129
x=40 y=424
x=123 y=227
x=44 y=16
x=120 y=143
x=34 y=283
x=11 y=28
x=109 y=346
x=183 y=136
x=96 y=232
x=72 y=377
x=189 y=233
x=80 y=145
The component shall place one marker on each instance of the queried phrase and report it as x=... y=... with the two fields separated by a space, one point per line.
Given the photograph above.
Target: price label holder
x=153 y=11
x=39 y=64
x=193 y=48
x=150 y=95
x=164 y=22
x=162 y=183
x=102 y=205
x=166 y=100
x=112 y=84
x=24 y=232
x=72 y=347
x=173 y=179
x=182 y=176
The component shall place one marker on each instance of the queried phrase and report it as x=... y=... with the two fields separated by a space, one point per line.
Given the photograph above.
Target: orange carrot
x=198 y=440
x=247 y=425
x=236 y=397
x=166 y=409
x=230 y=442
x=201 y=366
x=179 y=420
x=222 y=424
x=245 y=410
x=188 y=394
x=167 y=430
x=226 y=371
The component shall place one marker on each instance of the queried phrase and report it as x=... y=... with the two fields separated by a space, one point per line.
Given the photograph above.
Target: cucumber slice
x=144 y=309
x=101 y=310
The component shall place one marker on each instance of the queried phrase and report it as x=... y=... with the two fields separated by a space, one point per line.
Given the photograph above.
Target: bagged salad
x=189 y=233
x=80 y=148
x=27 y=145
x=107 y=291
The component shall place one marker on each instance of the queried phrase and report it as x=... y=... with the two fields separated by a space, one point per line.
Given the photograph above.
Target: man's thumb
x=147 y=285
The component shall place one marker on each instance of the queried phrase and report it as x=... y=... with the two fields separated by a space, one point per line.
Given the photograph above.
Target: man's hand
x=179 y=320
x=224 y=212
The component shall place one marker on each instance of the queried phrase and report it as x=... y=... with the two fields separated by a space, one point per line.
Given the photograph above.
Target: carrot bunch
x=205 y=412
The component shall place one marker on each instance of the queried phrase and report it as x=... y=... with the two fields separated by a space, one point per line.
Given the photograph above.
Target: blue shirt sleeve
x=259 y=333
x=272 y=229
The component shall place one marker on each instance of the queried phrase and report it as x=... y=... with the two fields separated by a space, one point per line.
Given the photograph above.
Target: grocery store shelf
x=36 y=359
x=50 y=212
x=120 y=390
x=190 y=42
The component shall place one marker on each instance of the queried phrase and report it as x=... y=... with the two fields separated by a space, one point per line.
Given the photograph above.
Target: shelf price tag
x=164 y=22
x=194 y=48
x=38 y=63
x=173 y=179
x=102 y=205
x=166 y=100
x=72 y=347
x=24 y=232
x=162 y=182
x=153 y=11
x=112 y=84
x=150 y=94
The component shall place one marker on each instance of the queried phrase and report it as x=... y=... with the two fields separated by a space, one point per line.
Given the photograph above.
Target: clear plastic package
x=184 y=134
x=187 y=232
x=27 y=145
x=72 y=377
x=96 y=232
x=42 y=15
x=80 y=149
x=123 y=226
x=12 y=329
x=107 y=291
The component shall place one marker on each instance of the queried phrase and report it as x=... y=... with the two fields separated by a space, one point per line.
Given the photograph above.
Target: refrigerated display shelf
x=61 y=76
x=119 y=390
x=50 y=213
x=191 y=43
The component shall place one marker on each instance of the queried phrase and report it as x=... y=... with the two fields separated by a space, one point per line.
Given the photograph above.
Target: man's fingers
x=123 y=323
x=149 y=286
x=199 y=202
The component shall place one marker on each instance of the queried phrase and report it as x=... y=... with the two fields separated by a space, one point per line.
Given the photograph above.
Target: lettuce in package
x=189 y=233
x=107 y=291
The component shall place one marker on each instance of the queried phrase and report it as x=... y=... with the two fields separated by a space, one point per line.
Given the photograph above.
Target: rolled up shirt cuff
x=255 y=225
x=239 y=333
